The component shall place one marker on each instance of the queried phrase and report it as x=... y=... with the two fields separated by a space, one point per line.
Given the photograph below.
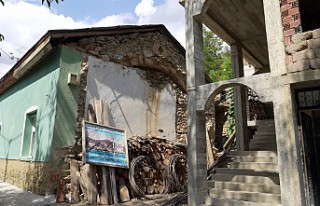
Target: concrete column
x=275 y=37
x=197 y=157
x=240 y=100
x=290 y=164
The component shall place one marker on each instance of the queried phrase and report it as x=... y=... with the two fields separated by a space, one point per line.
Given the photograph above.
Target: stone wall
x=304 y=51
x=38 y=177
x=150 y=51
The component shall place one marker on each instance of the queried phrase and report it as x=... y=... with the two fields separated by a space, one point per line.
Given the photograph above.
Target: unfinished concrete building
x=281 y=39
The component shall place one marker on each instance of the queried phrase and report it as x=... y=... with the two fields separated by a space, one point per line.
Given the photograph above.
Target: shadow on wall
x=33 y=176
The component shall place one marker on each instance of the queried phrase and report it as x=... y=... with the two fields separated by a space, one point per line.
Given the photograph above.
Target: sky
x=24 y=22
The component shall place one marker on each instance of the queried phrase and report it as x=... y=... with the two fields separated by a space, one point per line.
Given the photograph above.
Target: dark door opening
x=310 y=123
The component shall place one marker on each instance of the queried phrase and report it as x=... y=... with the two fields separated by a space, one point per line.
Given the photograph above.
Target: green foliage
x=217 y=58
x=218 y=65
x=49 y=2
x=43 y=1
x=231 y=122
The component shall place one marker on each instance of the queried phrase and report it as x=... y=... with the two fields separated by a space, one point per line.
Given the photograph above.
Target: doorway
x=309 y=116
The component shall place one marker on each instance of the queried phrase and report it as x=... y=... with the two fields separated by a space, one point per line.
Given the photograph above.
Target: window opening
x=310 y=14
x=29 y=134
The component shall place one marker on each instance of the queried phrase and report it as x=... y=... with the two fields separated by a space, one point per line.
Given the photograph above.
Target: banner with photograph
x=105 y=146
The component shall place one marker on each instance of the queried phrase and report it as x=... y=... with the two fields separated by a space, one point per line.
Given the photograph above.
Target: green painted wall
x=36 y=89
x=67 y=96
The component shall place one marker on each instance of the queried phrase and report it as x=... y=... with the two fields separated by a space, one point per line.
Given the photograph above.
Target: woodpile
x=157 y=166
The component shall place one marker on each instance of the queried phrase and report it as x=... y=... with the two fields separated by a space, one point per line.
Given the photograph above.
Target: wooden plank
x=75 y=186
x=106 y=121
x=91 y=171
x=113 y=185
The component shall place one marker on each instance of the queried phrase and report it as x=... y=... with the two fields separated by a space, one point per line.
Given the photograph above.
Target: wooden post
x=75 y=186
x=109 y=193
x=90 y=172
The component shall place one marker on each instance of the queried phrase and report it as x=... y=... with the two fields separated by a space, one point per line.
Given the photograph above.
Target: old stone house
x=138 y=71
x=280 y=164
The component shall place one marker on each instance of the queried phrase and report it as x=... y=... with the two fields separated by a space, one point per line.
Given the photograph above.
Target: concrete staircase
x=264 y=138
x=249 y=178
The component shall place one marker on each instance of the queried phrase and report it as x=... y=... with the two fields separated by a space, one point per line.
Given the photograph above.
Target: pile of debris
x=157 y=166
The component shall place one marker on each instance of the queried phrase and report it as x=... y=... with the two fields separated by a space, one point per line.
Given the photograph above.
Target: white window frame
x=33 y=130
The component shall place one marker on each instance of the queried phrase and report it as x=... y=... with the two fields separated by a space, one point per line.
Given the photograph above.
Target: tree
x=47 y=1
x=217 y=57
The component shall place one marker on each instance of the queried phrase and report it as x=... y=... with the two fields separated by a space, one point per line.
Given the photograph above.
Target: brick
x=285 y=7
x=298 y=66
x=314 y=43
x=315 y=63
x=316 y=33
x=287 y=40
x=284 y=13
x=295 y=24
x=287 y=19
x=293 y=11
x=296 y=17
x=301 y=37
x=289 y=32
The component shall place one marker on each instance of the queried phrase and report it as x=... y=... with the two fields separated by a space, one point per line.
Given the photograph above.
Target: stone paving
x=14 y=196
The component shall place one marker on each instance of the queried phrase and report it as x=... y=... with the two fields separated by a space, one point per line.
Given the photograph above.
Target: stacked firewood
x=157 y=166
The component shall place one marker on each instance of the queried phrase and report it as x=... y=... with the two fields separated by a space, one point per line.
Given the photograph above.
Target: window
x=310 y=14
x=29 y=133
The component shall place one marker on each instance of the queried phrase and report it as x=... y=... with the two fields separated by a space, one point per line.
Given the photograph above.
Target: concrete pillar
x=240 y=100
x=197 y=157
x=274 y=30
x=289 y=159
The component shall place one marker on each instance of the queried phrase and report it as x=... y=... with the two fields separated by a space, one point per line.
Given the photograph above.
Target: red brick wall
x=290 y=15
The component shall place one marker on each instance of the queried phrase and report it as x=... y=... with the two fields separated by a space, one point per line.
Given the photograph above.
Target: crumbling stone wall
x=304 y=51
x=150 y=51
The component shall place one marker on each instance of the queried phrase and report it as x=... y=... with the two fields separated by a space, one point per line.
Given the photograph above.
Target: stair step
x=259 y=132
x=246 y=196
x=254 y=153
x=274 y=189
x=247 y=179
x=264 y=136
x=256 y=166
x=252 y=172
x=271 y=149
x=263 y=142
x=253 y=159
x=263 y=145
x=210 y=201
